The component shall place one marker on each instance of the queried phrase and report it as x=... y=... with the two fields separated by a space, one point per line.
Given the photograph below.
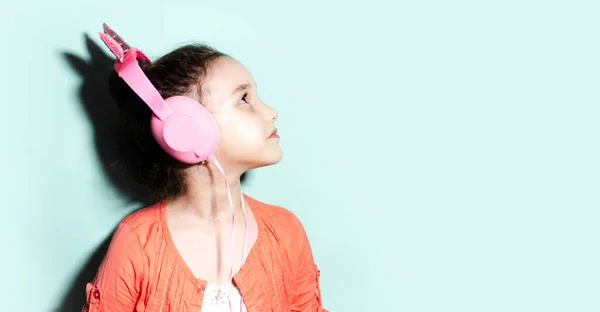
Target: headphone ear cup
x=190 y=134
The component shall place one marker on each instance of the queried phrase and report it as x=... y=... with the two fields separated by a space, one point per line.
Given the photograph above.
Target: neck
x=207 y=196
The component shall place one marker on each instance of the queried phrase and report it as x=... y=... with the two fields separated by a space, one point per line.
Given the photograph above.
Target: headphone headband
x=129 y=69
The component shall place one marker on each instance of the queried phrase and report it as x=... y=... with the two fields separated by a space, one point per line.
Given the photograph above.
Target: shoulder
x=273 y=213
x=281 y=222
x=285 y=233
x=139 y=224
x=130 y=240
x=144 y=217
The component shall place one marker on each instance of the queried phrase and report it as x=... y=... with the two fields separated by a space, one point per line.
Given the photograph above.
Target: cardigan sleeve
x=306 y=297
x=117 y=284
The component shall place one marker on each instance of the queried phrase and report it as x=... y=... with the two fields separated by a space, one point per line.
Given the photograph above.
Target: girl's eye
x=244 y=99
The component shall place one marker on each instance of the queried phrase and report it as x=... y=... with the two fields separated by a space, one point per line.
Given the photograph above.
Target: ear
x=113 y=45
x=108 y=31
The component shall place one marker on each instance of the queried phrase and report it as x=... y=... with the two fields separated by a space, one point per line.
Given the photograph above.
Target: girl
x=188 y=251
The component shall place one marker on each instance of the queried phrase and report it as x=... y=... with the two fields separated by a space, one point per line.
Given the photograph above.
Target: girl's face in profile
x=247 y=129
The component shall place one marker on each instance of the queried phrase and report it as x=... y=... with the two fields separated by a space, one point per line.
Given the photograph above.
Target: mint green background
x=443 y=155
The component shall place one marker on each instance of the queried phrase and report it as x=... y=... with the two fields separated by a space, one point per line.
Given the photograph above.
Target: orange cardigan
x=143 y=271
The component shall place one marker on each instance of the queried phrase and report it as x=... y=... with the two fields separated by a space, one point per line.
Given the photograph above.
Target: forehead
x=224 y=76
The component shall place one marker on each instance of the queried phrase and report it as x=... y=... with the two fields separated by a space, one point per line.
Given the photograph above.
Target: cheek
x=249 y=137
x=244 y=133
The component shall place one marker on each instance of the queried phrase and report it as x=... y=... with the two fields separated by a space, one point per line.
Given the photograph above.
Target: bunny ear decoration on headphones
x=118 y=46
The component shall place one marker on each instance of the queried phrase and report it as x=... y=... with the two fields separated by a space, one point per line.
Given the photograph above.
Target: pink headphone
x=180 y=125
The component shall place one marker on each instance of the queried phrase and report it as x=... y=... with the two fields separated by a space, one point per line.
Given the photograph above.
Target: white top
x=216 y=299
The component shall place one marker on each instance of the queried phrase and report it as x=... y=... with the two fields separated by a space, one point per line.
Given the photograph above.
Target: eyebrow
x=242 y=87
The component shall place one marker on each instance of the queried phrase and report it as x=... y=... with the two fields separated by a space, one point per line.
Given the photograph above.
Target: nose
x=271 y=114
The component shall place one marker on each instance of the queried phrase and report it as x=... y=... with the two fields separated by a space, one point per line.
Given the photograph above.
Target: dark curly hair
x=179 y=72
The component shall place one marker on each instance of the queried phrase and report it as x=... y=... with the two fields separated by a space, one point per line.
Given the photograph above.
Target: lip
x=274 y=135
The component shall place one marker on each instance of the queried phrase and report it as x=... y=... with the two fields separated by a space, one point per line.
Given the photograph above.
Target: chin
x=276 y=156
x=268 y=159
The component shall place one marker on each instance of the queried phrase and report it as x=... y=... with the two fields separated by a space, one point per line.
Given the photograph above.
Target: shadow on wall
x=102 y=112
